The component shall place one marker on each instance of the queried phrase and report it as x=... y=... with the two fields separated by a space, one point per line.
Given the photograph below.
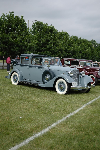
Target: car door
x=36 y=70
x=25 y=67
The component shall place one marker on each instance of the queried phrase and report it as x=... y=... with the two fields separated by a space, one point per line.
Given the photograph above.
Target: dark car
x=95 y=64
x=15 y=61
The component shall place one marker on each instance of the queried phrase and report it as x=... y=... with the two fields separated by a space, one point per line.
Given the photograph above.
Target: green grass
x=1 y=61
x=26 y=110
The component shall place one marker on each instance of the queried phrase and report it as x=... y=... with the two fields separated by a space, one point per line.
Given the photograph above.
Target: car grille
x=99 y=72
x=75 y=75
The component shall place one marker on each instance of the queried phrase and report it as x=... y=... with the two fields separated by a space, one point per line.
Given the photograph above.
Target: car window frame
x=24 y=64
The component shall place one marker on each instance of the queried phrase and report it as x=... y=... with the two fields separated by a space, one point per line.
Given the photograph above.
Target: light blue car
x=45 y=71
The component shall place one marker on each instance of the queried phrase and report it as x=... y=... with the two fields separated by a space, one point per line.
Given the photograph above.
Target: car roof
x=69 y=59
x=96 y=62
x=29 y=54
x=84 y=60
x=34 y=55
x=74 y=59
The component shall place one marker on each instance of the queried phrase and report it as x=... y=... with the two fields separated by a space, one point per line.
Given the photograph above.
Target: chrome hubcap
x=47 y=78
x=15 y=78
x=61 y=86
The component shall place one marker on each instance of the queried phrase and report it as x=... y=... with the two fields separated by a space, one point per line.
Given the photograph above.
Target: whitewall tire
x=15 y=78
x=62 y=87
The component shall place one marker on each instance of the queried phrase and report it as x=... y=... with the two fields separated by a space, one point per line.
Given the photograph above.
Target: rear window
x=36 y=61
x=25 y=60
x=75 y=63
x=95 y=65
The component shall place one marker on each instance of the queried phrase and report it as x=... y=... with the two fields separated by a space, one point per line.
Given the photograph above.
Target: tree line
x=16 y=38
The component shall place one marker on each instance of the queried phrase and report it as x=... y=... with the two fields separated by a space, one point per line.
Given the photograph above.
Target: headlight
x=70 y=73
x=82 y=73
x=99 y=72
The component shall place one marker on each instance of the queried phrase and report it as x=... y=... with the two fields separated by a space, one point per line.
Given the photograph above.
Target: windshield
x=51 y=61
x=85 y=63
x=95 y=64
x=88 y=63
x=67 y=62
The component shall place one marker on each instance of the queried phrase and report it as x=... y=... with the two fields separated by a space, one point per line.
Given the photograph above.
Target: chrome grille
x=99 y=72
x=75 y=76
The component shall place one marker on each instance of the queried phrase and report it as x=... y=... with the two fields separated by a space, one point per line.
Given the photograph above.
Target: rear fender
x=19 y=74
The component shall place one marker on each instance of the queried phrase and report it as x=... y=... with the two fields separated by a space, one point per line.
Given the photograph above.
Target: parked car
x=95 y=64
x=15 y=61
x=83 y=65
x=44 y=71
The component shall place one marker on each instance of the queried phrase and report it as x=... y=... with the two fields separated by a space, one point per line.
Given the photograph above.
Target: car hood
x=93 y=68
x=61 y=68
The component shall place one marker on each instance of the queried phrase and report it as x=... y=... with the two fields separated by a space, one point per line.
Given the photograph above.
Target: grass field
x=1 y=61
x=26 y=110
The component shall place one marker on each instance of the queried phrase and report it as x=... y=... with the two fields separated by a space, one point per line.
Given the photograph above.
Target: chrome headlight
x=82 y=73
x=70 y=73
x=99 y=72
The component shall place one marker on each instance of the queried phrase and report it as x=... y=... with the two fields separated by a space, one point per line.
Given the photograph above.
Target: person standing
x=3 y=62
x=8 y=61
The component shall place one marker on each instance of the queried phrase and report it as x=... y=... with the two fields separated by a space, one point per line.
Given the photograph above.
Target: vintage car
x=95 y=64
x=45 y=71
x=83 y=65
x=73 y=62
x=15 y=61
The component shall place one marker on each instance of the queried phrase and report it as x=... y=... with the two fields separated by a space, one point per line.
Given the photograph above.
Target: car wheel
x=15 y=78
x=62 y=87
x=94 y=80
x=47 y=76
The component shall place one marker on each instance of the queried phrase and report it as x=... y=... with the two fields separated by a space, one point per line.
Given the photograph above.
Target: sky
x=79 y=18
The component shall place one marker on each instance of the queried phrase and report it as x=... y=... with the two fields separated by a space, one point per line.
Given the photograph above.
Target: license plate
x=74 y=83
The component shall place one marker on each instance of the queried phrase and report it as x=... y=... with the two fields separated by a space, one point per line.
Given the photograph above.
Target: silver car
x=47 y=71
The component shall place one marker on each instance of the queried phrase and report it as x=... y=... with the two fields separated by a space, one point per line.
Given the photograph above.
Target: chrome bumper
x=82 y=88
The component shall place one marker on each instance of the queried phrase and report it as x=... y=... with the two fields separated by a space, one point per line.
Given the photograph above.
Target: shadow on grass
x=51 y=89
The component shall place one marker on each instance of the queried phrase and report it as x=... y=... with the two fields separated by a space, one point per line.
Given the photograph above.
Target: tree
x=74 y=47
x=44 y=38
x=62 y=48
x=16 y=38
x=13 y=34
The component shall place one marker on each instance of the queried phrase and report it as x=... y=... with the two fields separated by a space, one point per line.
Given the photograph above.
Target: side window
x=82 y=63
x=67 y=62
x=25 y=60
x=52 y=61
x=46 y=61
x=33 y=61
x=36 y=61
x=75 y=63
x=95 y=65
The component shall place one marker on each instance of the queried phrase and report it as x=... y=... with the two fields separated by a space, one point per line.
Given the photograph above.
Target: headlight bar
x=70 y=73
x=82 y=73
x=99 y=72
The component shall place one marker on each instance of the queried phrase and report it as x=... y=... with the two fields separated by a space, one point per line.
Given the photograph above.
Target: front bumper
x=81 y=88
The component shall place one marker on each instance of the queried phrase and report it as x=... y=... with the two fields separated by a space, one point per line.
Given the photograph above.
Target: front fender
x=52 y=81
x=67 y=78
x=94 y=73
x=86 y=79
